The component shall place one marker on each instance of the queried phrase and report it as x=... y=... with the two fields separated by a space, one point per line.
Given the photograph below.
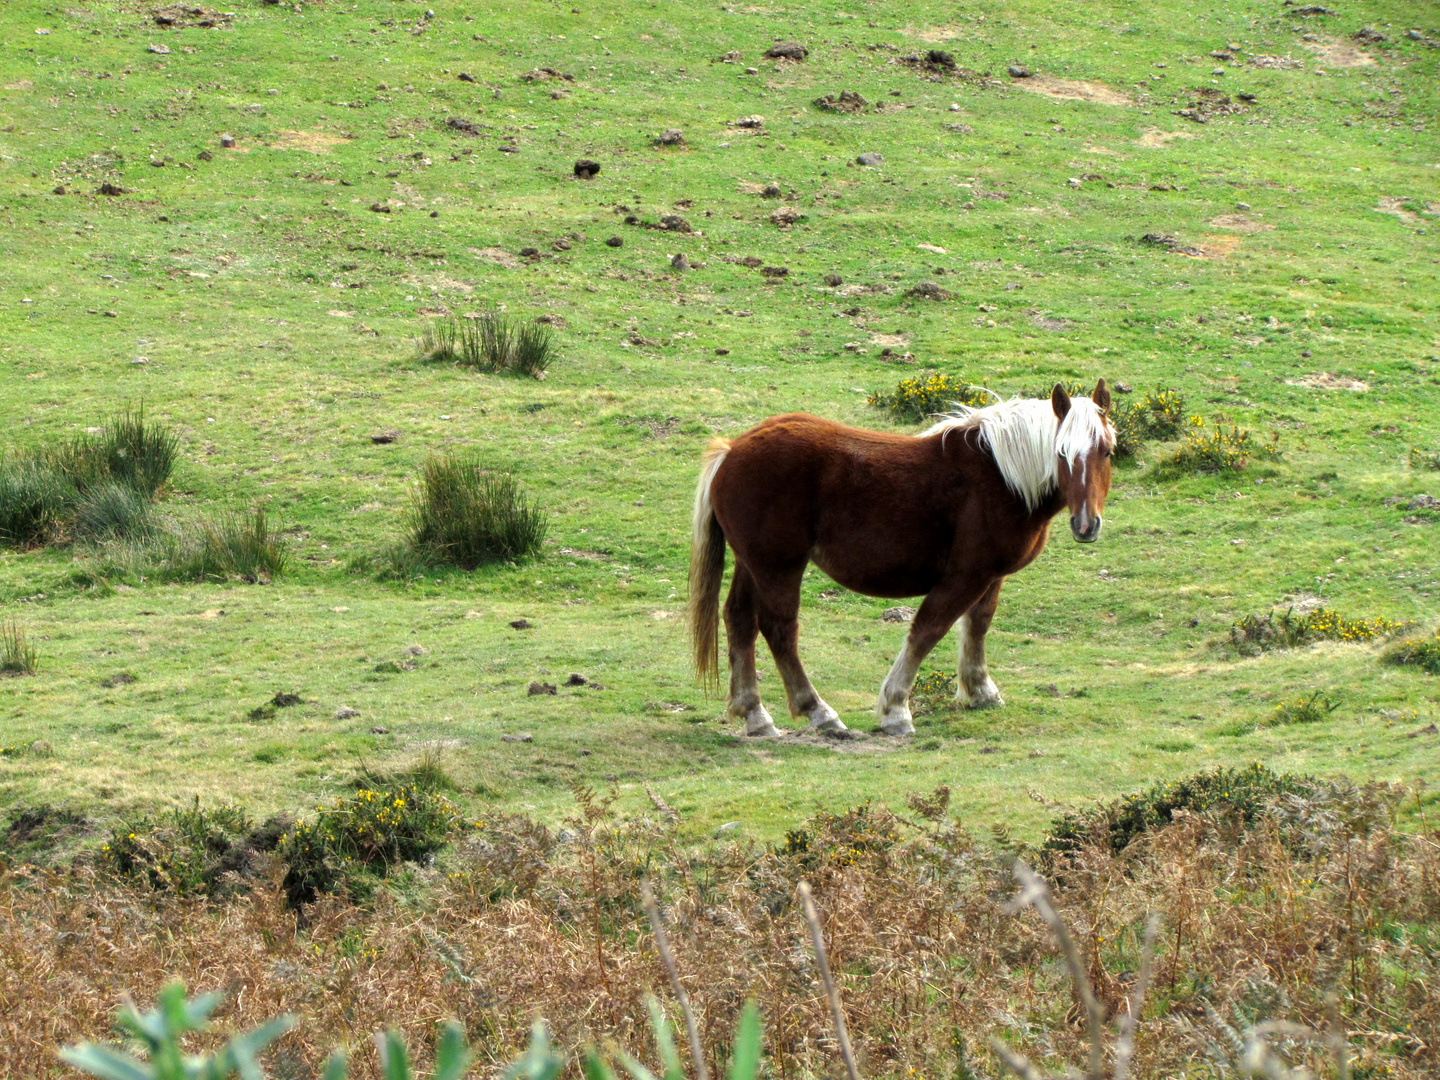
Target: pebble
x=870 y=159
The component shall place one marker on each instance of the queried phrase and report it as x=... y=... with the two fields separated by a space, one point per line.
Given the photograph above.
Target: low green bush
x=1158 y=415
x=34 y=501
x=1254 y=634
x=1424 y=459
x=111 y=511
x=194 y=851
x=1423 y=653
x=1216 y=449
x=17 y=654
x=368 y=832
x=1243 y=793
x=932 y=692
x=468 y=516
x=220 y=548
x=493 y=343
x=1302 y=710
x=922 y=397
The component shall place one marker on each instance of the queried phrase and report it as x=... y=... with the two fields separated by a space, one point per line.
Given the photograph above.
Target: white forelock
x=1025 y=439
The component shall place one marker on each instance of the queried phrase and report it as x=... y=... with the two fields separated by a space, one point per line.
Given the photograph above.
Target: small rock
x=1242 y=206
x=585 y=168
x=615 y=241
x=576 y=679
x=679 y=262
x=1019 y=71
x=870 y=159
x=384 y=438
x=752 y=71
x=670 y=137
x=834 y=280
x=227 y=141
x=537 y=688
x=771 y=191
x=785 y=216
x=345 y=712
x=1425 y=502
x=732 y=826
x=722 y=352
x=59 y=189
x=1123 y=388
x=162 y=50
x=380 y=208
x=787 y=50
x=900 y=614
x=561 y=245
x=751 y=122
x=521 y=624
x=848 y=101
x=1414 y=35
x=528 y=252
x=928 y=290
x=377 y=730
x=434 y=213
x=1305 y=353
x=675 y=223
x=205 y=155
x=526 y=737
x=465 y=76
x=1247 y=97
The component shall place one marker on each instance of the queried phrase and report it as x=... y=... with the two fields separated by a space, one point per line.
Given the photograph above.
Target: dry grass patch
x=1073 y=90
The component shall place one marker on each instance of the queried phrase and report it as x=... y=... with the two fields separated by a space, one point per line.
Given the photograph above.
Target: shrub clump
x=1255 y=634
x=932 y=692
x=193 y=851
x=369 y=832
x=920 y=397
x=1243 y=793
x=491 y=343
x=223 y=548
x=1217 y=449
x=1158 y=415
x=1302 y=710
x=1424 y=459
x=86 y=487
x=1423 y=653
x=468 y=516
x=17 y=654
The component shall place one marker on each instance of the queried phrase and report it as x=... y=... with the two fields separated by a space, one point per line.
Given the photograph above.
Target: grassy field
x=265 y=300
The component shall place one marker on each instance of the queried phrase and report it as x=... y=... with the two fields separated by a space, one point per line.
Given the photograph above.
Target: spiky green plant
x=467 y=516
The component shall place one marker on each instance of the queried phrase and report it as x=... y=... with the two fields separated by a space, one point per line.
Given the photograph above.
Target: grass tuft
x=17 y=655
x=1302 y=710
x=111 y=511
x=1425 y=459
x=919 y=398
x=224 y=548
x=492 y=343
x=468 y=516
x=34 y=501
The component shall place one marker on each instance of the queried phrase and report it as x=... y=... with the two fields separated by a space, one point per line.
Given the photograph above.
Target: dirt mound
x=848 y=101
x=1073 y=90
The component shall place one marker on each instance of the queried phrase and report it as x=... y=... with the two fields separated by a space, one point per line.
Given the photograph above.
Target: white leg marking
x=892 y=706
x=823 y=718
x=975 y=690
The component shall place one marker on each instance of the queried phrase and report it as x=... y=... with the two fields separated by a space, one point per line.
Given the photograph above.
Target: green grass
x=270 y=318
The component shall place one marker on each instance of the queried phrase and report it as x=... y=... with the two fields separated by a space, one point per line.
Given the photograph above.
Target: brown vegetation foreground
x=1321 y=897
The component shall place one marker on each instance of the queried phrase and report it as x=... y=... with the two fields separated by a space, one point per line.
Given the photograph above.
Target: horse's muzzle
x=1089 y=531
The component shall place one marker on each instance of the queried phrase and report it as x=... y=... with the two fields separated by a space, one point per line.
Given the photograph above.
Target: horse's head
x=1083 y=443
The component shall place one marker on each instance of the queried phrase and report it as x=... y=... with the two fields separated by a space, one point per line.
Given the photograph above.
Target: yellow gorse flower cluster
x=922 y=396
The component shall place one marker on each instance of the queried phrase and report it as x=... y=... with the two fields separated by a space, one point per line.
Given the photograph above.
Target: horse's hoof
x=984 y=696
x=826 y=720
x=758 y=723
x=897 y=722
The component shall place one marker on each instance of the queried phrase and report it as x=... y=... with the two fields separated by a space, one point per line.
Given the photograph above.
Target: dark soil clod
x=787 y=50
x=585 y=168
x=847 y=101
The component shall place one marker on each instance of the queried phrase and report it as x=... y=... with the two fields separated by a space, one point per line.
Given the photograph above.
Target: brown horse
x=947 y=514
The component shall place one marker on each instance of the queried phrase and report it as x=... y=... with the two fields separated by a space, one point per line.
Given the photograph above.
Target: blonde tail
x=707 y=567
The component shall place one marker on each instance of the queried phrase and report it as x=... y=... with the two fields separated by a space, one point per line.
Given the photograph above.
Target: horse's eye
x=1104 y=453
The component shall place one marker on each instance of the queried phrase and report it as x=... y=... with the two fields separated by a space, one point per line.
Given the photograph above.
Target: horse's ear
x=1101 y=396
x=1060 y=401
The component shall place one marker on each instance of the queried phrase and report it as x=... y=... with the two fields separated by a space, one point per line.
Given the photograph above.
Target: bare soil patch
x=314 y=142
x=1153 y=137
x=1397 y=205
x=1216 y=247
x=1340 y=54
x=847 y=742
x=497 y=255
x=1240 y=223
x=932 y=34
x=1323 y=380
x=1073 y=90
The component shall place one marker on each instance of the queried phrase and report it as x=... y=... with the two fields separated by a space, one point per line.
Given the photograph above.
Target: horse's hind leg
x=976 y=690
x=741 y=627
x=778 y=606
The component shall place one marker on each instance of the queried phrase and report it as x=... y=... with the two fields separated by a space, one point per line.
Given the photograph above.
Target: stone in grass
x=870 y=159
x=384 y=438
x=521 y=624
x=675 y=223
x=834 y=280
x=771 y=191
x=380 y=208
x=847 y=101
x=345 y=712
x=576 y=679
x=670 y=137
x=787 y=50
x=680 y=262
x=897 y=614
x=751 y=122
x=162 y=50
x=928 y=290
x=227 y=141
x=522 y=737
x=536 y=688
x=615 y=242
x=1019 y=71
x=586 y=168
x=785 y=216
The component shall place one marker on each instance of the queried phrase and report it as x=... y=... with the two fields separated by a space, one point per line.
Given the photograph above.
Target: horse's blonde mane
x=1025 y=439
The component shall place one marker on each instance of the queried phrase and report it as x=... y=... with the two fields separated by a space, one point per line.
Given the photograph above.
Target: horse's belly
x=875 y=578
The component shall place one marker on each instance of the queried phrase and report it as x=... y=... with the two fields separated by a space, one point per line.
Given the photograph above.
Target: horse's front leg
x=938 y=612
x=975 y=689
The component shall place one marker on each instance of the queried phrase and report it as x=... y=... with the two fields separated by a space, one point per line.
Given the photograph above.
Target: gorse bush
x=1158 y=415
x=192 y=851
x=1423 y=653
x=1216 y=449
x=467 y=516
x=1425 y=459
x=919 y=398
x=1310 y=709
x=368 y=832
x=491 y=343
x=17 y=654
x=1254 y=634
x=1245 y=794
x=932 y=692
